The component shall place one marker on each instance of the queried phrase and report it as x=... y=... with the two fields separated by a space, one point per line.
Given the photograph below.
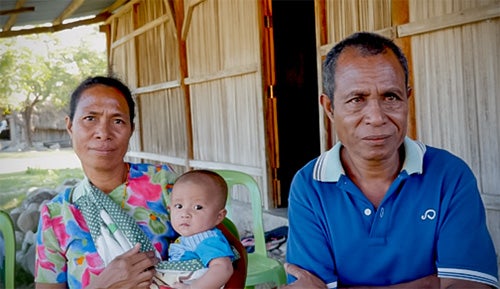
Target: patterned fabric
x=66 y=252
x=92 y=202
x=114 y=232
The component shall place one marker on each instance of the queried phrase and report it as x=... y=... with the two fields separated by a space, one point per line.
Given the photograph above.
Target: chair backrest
x=237 y=280
x=8 y=235
x=233 y=178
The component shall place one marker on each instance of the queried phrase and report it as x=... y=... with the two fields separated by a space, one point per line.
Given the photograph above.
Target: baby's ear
x=221 y=215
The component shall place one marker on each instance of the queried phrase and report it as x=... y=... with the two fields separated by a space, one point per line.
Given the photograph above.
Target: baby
x=197 y=205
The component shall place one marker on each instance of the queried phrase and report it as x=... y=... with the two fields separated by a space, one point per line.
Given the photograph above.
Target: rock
x=39 y=195
x=28 y=220
x=68 y=183
x=14 y=215
x=19 y=239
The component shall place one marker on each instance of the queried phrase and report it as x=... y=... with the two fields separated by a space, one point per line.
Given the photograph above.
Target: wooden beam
x=187 y=19
x=450 y=20
x=142 y=29
x=400 y=15
x=11 y=33
x=17 y=10
x=12 y=19
x=70 y=9
x=171 y=15
x=225 y=73
x=157 y=87
x=125 y=8
x=183 y=74
x=117 y=4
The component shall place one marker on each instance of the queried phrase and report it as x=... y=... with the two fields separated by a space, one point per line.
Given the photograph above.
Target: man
x=379 y=209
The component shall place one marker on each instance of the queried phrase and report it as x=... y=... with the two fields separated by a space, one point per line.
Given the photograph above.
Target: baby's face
x=193 y=209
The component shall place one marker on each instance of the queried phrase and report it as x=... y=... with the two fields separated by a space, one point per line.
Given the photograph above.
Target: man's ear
x=69 y=126
x=327 y=105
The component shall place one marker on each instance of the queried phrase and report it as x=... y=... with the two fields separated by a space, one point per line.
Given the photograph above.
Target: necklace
x=124 y=197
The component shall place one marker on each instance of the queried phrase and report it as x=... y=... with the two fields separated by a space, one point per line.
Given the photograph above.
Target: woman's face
x=101 y=128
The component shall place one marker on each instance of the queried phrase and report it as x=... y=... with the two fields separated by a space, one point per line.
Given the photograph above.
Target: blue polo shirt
x=431 y=221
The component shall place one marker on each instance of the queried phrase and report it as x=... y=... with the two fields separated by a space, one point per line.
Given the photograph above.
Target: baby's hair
x=202 y=176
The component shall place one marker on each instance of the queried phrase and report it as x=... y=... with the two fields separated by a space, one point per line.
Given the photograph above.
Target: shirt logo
x=429 y=214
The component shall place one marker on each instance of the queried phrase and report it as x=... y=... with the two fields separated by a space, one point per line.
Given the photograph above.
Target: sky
x=68 y=38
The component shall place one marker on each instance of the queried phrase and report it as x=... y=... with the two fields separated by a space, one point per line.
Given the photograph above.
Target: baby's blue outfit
x=206 y=246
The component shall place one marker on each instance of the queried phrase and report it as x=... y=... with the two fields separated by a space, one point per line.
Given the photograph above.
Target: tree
x=7 y=63
x=44 y=71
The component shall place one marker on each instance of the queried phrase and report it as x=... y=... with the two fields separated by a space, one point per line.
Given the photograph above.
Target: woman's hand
x=304 y=278
x=132 y=269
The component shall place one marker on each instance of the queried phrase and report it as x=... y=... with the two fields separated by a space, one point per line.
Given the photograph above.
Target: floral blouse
x=65 y=252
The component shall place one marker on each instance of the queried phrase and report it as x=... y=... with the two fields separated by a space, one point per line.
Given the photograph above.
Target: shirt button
x=368 y=211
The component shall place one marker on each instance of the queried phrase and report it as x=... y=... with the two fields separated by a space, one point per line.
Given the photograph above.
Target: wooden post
x=179 y=20
x=400 y=14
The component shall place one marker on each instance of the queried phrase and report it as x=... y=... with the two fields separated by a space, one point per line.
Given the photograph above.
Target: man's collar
x=328 y=167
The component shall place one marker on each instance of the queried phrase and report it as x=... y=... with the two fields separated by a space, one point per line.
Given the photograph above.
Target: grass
x=14 y=186
x=13 y=189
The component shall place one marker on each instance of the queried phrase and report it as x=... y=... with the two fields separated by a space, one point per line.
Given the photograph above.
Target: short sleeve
x=50 y=266
x=465 y=249
x=214 y=247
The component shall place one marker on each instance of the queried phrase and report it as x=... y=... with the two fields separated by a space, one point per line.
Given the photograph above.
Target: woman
x=72 y=249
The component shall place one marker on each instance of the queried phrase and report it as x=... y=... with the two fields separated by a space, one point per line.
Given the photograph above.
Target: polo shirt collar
x=328 y=167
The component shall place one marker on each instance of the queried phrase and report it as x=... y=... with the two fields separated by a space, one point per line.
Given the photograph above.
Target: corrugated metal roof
x=54 y=15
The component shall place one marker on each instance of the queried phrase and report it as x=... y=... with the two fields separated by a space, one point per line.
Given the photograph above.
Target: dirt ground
x=51 y=159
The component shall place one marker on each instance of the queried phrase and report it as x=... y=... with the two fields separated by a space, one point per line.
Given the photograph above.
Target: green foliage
x=43 y=67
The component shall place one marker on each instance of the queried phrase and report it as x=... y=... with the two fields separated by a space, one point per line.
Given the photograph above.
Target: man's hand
x=304 y=278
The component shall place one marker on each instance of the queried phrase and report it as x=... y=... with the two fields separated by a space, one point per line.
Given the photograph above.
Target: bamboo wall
x=198 y=87
x=223 y=52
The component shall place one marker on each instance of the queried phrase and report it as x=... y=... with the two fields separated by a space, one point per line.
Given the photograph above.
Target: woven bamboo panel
x=159 y=57
x=456 y=83
x=147 y=11
x=423 y=9
x=163 y=124
x=223 y=52
x=226 y=120
x=347 y=16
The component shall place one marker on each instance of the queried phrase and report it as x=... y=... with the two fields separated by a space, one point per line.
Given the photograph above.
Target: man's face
x=101 y=128
x=370 y=104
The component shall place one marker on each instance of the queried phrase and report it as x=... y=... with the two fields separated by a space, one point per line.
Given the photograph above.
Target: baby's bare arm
x=219 y=272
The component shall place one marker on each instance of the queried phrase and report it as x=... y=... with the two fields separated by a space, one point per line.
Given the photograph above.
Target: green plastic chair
x=261 y=268
x=7 y=229
x=237 y=280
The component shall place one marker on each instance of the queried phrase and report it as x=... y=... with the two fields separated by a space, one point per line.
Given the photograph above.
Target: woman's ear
x=69 y=126
x=409 y=91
